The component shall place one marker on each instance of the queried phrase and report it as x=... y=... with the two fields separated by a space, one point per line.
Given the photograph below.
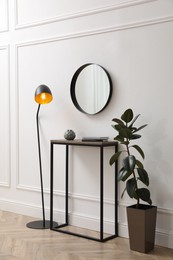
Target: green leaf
x=139 y=164
x=139 y=150
x=129 y=163
x=135 y=196
x=123 y=174
x=126 y=176
x=118 y=121
x=144 y=194
x=141 y=127
x=118 y=127
x=134 y=136
x=149 y=201
x=143 y=176
x=135 y=118
x=114 y=157
x=114 y=127
x=123 y=193
x=119 y=138
x=127 y=116
x=125 y=133
x=131 y=187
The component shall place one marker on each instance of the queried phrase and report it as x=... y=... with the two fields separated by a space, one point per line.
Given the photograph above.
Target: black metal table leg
x=101 y=193
x=51 y=185
x=116 y=194
x=66 y=188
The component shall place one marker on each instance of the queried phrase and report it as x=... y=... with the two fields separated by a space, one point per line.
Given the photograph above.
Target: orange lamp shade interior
x=43 y=98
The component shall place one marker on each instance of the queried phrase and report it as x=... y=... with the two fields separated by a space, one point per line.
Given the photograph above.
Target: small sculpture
x=69 y=135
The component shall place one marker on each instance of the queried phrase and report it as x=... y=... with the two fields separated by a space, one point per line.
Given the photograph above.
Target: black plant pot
x=141 y=225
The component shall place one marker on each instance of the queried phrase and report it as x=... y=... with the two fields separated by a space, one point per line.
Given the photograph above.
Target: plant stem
x=128 y=152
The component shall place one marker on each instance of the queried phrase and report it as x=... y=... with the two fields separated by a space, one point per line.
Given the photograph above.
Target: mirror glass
x=91 y=88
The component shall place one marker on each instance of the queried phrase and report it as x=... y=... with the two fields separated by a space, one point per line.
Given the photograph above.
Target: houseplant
x=141 y=217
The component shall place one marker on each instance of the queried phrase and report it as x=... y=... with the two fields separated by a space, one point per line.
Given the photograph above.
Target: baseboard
x=21 y=208
x=163 y=237
x=79 y=220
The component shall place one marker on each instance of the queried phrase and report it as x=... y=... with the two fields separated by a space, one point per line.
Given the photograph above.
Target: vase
x=69 y=135
x=141 y=226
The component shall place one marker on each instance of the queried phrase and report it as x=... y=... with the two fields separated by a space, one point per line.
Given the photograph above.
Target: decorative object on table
x=95 y=139
x=141 y=217
x=91 y=88
x=43 y=95
x=69 y=135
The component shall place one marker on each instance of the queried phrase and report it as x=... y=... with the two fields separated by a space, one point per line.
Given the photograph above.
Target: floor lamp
x=43 y=95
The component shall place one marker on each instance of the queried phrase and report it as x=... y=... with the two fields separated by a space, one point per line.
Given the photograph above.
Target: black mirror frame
x=73 y=83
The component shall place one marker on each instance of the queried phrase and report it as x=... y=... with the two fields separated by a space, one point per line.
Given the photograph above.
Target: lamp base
x=38 y=224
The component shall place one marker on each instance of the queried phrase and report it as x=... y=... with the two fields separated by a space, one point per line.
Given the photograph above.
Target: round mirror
x=91 y=88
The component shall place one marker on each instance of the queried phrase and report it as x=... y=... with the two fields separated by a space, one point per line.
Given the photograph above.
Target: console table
x=101 y=146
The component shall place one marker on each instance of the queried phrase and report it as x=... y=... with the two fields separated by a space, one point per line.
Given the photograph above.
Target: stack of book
x=95 y=139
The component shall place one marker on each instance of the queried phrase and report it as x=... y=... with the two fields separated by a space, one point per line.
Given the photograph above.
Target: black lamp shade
x=43 y=95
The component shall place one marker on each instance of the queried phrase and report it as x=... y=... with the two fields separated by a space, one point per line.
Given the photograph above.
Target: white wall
x=45 y=42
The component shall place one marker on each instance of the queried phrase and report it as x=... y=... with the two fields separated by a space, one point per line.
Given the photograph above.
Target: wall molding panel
x=99 y=10
x=103 y=30
x=5 y=158
x=5 y=14
x=17 y=117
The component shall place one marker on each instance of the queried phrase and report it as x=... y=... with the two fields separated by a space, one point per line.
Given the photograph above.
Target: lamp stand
x=40 y=224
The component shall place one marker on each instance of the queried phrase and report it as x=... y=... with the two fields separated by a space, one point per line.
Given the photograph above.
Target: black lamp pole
x=39 y=224
x=43 y=95
x=40 y=164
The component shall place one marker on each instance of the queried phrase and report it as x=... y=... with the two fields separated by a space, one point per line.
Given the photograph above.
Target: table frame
x=100 y=145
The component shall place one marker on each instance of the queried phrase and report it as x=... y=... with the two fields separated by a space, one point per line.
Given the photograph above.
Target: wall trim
x=8 y=182
x=4 y=184
x=126 y=4
x=86 y=198
x=163 y=237
x=102 y=30
x=59 y=193
x=36 y=212
x=17 y=114
x=6 y=27
x=94 y=199
x=29 y=188
x=21 y=208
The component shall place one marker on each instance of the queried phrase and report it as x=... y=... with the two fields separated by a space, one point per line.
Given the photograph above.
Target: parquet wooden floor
x=19 y=242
